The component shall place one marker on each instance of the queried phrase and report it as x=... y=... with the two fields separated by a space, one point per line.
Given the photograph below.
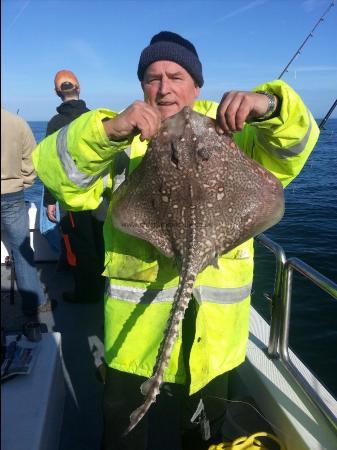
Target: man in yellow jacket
x=87 y=160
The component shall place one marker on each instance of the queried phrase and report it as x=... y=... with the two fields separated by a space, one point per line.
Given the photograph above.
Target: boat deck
x=81 y=328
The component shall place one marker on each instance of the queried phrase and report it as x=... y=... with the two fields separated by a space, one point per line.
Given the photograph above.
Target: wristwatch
x=271 y=105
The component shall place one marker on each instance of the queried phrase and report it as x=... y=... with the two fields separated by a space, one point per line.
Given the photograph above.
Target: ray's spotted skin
x=194 y=196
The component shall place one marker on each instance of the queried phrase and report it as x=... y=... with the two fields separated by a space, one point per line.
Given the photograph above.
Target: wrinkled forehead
x=165 y=67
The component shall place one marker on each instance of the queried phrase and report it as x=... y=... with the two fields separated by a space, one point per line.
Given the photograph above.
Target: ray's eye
x=204 y=153
x=174 y=154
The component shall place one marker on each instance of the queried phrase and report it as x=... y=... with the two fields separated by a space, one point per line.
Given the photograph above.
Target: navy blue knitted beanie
x=171 y=47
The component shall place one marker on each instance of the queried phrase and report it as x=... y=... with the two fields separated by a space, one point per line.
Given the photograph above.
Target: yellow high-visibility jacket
x=78 y=164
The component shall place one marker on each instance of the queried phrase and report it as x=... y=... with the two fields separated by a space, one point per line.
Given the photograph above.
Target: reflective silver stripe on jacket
x=136 y=295
x=75 y=176
x=283 y=153
x=222 y=295
x=201 y=293
x=105 y=181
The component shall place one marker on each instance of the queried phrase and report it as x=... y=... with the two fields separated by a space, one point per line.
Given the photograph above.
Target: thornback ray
x=194 y=196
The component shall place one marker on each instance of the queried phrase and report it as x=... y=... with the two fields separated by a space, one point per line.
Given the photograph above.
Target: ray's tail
x=151 y=387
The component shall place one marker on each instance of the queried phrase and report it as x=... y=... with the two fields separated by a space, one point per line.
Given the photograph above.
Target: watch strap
x=271 y=105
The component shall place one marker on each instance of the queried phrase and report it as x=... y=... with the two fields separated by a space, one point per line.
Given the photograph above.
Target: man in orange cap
x=66 y=80
x=82 y=230
x=67 y=88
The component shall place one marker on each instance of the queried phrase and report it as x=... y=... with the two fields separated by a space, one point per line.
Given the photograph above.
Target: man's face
x=169 y=87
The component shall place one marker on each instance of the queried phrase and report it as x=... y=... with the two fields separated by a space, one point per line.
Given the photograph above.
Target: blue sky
x=240 y=43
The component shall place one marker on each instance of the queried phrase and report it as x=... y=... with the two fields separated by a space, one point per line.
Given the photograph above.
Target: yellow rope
x=249 y=443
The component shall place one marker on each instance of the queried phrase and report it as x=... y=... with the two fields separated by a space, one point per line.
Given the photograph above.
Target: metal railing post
x=276 y=313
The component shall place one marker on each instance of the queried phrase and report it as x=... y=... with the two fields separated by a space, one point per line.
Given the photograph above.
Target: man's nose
x=164 y=86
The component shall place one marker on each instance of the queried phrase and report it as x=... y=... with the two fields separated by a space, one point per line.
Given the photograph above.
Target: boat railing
x=276 y=297
x=278 y=346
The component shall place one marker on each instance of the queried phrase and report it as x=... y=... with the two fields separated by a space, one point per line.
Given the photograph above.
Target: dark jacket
x=67 y=112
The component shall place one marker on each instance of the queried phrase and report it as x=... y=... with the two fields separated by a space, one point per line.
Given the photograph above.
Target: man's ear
x=197 y=90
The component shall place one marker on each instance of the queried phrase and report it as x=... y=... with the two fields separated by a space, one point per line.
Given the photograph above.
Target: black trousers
x=85 y=233
x=168 y=418
x=160 y=429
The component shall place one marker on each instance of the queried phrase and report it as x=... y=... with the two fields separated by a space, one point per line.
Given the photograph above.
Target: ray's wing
x=136 y=212
x=236 y=198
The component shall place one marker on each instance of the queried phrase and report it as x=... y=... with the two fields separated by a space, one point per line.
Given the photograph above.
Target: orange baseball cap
x=65 y=80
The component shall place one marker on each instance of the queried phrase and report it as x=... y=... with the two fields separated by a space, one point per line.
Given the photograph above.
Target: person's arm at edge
x=28 y=145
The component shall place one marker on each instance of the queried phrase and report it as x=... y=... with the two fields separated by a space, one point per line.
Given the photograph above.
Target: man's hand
x=51 y=212
x=139 y=117
x=237 y=107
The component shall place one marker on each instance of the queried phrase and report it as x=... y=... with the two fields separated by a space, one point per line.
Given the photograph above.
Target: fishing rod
x=328 y=114
x=298 y=51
